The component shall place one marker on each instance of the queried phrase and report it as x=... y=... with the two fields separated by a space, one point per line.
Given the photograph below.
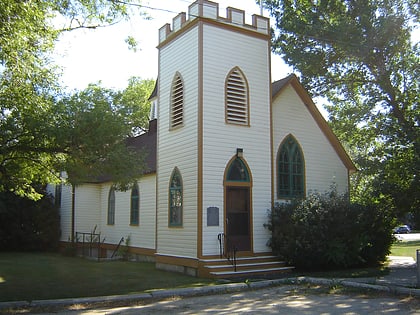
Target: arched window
x=135 y=205
x=291 y=170
x=236 y=98
x=175 y=199
x=237 y=172
x=177 y=102
x=111 y=206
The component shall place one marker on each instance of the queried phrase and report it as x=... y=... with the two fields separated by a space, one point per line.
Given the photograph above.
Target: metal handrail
x=227 y=249
x=118 y=246
x=89 y=238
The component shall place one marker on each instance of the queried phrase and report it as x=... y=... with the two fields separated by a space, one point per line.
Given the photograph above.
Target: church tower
x=214 y=171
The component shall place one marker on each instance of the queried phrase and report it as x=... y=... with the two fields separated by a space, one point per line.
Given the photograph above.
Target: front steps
x=246 y=267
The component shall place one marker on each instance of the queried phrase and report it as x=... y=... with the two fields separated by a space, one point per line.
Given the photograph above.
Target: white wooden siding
x=91 y=209
x=87 y=210
x=141 y=235
x=323 y=167
x=221 y=140
x=65 y=213
x=178 y=147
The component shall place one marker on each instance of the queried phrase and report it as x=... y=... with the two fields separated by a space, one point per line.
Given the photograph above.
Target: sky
x=89 y=56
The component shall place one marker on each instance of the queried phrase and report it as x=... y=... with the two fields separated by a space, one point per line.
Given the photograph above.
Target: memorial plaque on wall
x=212 y=216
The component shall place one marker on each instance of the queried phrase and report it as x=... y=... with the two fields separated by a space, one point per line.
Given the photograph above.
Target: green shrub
x=28 y=225
x=328 y=232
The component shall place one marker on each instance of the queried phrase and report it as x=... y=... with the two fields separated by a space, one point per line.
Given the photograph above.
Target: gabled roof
x=278 y=87
x=147 y=142
x=155 y=90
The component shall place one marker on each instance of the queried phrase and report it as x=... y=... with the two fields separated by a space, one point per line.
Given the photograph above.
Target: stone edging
x=208 y=290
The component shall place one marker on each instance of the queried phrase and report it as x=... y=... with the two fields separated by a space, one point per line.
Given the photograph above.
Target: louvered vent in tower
x=236 y=98
x=177 y=102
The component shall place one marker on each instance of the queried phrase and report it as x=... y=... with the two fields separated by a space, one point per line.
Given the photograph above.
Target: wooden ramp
x=246 y=267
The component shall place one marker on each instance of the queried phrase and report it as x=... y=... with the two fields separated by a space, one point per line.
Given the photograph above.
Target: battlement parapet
x=210 y=10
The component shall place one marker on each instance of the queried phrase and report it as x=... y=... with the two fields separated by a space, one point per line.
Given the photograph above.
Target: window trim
x=291 y=146
x=244 y=80
x=135 y=219
x=171 y=207
x=177 y=79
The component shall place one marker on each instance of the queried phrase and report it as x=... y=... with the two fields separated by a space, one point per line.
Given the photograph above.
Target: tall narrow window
x=134 y=205
x=236 y=94
x=57 y=196
x=177 y=101
x=291 y=169
x=175 y=199
x=111 y=206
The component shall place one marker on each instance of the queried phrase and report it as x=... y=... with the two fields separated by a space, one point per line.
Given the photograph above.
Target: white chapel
x=224 y=144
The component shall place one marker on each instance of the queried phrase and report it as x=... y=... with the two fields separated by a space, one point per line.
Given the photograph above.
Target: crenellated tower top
x=210 y=10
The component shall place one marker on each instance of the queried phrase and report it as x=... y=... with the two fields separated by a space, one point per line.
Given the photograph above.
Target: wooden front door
x=238 y=217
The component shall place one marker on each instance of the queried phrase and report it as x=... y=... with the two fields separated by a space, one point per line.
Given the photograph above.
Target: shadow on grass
x=38 y=276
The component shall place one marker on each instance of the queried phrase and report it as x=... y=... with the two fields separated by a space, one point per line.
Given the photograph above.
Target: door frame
x=244 y=184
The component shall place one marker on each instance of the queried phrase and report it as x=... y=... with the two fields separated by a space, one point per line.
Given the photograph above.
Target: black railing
x=118 y=247
x=90 y=243
x=227 y=249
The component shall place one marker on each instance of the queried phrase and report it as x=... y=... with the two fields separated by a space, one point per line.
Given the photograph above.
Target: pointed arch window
x=236 y=98
x=135 y=205
x=177 y=101
x=291 y=170
x=237 y=172
x=175 y=199
x=111 y=206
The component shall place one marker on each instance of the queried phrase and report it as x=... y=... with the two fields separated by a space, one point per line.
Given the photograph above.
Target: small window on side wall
x=290 y=170
x=135 y=205
x=175 y=199
x=111 y=206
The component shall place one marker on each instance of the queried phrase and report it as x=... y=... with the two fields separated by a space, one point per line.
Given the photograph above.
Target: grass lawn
x=37 y=276
x=405 y=249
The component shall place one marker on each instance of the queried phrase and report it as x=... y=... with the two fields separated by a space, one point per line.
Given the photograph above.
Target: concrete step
x=245 y=267
x=251 y=272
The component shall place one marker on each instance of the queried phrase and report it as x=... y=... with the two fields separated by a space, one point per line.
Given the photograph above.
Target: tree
x=135 y=101
x=33 y=118
x=93 y=126
x=27 y=224
x=358 y=54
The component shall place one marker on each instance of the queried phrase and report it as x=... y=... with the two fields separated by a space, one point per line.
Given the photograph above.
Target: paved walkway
x=403 y=272
x=285 y=299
